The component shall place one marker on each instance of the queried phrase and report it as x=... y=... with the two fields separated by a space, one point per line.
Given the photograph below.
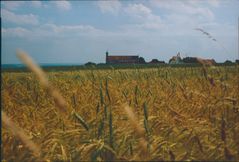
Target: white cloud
x=19 y=19
x=112 y=6
x=150 y=26
x=185 y=7
x=141 y=27
x=15 y=32
x=214 y=3
x=36 y=4
x=138 y=10
x=51 y=30
x=63 y=5
x=62 y=29
x=12 y=5
x=208 y=3
x=147 y=20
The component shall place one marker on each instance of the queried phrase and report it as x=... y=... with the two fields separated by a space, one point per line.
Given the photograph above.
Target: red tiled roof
x=122 y=58
x=206 y=61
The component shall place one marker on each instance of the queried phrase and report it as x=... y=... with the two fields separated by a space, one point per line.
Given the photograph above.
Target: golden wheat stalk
x=18 y=132
x=138 y=129
x=59 y=100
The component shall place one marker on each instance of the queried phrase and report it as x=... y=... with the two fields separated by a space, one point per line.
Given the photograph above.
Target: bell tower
x=106 y=57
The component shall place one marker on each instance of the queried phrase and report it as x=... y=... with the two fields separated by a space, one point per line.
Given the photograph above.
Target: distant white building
x=176 y=59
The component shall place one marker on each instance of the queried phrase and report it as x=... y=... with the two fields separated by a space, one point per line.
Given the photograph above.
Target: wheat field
x=149 y=114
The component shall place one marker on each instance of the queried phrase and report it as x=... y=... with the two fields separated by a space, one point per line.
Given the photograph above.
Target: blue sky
x=82 y=31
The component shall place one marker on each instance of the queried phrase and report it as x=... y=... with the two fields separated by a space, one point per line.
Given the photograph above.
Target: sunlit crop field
x=186 y=114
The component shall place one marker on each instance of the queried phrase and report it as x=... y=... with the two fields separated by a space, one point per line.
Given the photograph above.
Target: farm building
x=120 y=59
x=156 y=61
x=199 y=60
x=176 y=59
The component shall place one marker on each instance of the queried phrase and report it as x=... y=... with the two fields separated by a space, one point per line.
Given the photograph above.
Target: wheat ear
x=18 y=132
x=138 y=129
x=59 y=100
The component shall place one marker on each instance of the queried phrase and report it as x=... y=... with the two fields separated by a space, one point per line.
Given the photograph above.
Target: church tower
x=106 y=57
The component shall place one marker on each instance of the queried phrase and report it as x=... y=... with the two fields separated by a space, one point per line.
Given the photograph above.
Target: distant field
x=188 y=113
x=50 y=68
